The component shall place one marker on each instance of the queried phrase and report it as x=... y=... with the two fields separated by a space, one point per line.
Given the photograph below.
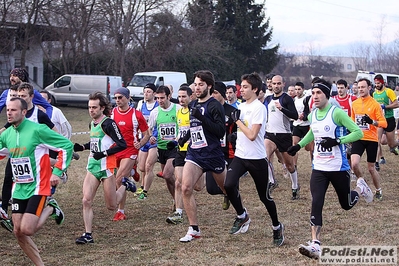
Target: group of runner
x=206 y=139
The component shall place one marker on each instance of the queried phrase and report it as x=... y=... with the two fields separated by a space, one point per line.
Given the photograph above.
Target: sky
x=331 y=27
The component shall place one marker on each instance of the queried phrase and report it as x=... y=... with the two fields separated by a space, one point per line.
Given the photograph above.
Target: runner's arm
x=111 y=129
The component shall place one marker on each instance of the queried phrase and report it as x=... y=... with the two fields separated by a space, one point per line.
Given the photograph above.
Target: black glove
x=78 y=147
x=171 y=145
x=232 y=137
x=196 y=112
x=98 y=155
x=235 y=115
x=367 y=119
x=184 y=139
x=328 y=142
x=293 y=149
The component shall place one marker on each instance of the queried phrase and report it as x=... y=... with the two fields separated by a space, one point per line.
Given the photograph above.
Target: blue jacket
x=37 y=100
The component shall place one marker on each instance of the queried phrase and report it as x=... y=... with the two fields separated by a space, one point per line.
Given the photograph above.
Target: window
x=349 y=66
x=35 y=74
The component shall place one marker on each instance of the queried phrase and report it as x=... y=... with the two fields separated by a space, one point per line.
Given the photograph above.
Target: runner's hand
x=293 y=149
x=328 y=142
x=98 y=155
x=235 y=115
x=78 y=147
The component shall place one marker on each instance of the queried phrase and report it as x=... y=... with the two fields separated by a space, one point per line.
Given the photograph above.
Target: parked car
x=74 y=88
x=159 y=78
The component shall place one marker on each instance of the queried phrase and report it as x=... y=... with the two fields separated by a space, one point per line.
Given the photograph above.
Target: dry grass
x=146 y=239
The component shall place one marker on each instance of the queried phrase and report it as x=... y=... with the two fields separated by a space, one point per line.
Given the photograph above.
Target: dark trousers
x=319 y=182
x=259 y=171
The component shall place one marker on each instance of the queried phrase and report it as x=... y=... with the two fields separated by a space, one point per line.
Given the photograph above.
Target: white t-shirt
x=61 y=123
x=251 y=114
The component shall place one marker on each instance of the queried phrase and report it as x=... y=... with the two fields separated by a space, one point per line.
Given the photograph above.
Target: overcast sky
x=331 y=26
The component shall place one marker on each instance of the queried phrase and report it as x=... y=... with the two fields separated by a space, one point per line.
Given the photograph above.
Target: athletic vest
x=127 y=123
x=332 y=159
x=167 y=126
x=183 y=123
x=277 y=121
x=99 y=142
x=382 y=98
x=34 y=117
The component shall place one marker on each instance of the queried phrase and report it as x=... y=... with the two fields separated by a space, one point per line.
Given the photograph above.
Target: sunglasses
x=118 y=97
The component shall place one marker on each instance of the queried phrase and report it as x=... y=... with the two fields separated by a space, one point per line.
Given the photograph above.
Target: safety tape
x=80 y=133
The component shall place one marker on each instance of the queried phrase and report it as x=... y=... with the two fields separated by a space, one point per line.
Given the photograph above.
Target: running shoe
x=138 y=191
x=129 y=184
x=57 y=214
x=7 y=224
x=312 y=250
x=382 y=160
x=365 y=190
x=191 y=235
x=3 y=214
x=278 y=236
x=75 y=156
x=240 y=225
x=295 y=194
x=394 y=150
x=175 y=218
x=226 y=202
x=273 y=186
x=378 y=195
x=84 y=239
x=377 y=166
x=142 y=196
x=160 y=174
x=136 y=176
x=64 y=177
x=119 y=216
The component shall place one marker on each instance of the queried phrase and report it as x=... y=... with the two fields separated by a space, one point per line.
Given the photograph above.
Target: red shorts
x=130 y=152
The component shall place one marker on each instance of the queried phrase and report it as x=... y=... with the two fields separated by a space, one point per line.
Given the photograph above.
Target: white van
x=159 y=78
x=74 y=88
x=390 y=79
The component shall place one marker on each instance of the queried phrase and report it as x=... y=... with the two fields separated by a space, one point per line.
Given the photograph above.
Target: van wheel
x=53 y=102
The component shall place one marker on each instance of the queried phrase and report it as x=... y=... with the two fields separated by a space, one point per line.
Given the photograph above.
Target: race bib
x=95 y=144
x=321 y=152
x=362 y=125
x=198 y=139
x=167 y=131
x=183 y=131
x=22 y=170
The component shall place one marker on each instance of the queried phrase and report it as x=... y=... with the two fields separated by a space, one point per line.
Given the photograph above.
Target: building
x=12 y=50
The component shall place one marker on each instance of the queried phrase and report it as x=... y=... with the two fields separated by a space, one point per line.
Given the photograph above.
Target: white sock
x=121 y=211
x=242 y=216
x=180 y=211
x=294 y=179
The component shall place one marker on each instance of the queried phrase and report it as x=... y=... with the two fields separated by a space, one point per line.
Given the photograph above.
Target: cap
x=21 y=73
x=151 y=86
x=221 y=88
x=125 y=92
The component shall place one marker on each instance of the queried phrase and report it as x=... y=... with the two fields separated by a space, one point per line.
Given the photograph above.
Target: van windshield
x=141 y=81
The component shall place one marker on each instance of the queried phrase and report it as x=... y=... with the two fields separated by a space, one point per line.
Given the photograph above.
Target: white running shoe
x=312 y=250
x=191 y=235
x=3 y=214
x=365 y=190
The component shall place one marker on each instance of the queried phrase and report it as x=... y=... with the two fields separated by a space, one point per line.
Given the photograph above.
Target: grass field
x=146 y=239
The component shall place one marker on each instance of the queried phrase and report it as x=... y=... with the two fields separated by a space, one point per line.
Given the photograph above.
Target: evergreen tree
x=241 y=25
